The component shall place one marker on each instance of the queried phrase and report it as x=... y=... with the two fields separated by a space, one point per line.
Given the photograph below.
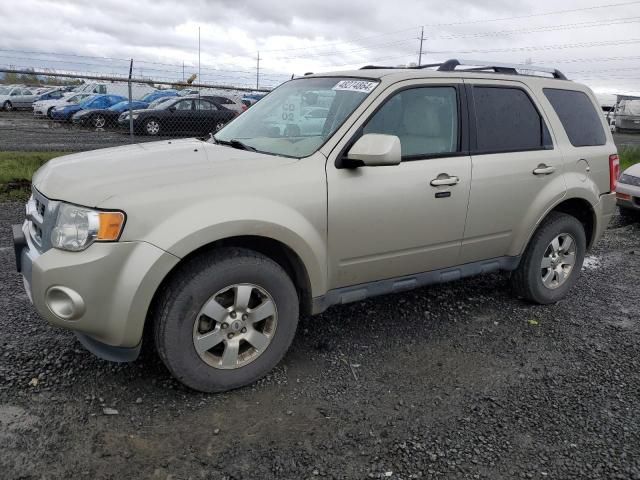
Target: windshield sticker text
x=363 y=86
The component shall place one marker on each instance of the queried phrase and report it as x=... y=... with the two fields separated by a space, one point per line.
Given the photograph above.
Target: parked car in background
x=180 y=115
x=43 y=108
x=230 y=103
x=105 y=117
x=159 y=101
x=627 y=116
x=16 y=97
x=116 y=88
x=153 y=96
x=64 y=114
x=50 y=94
x=628 y=191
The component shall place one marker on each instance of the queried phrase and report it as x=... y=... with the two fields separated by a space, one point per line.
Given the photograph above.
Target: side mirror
x=376 y=150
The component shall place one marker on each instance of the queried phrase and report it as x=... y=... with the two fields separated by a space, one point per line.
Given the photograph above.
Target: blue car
x=150 y=97
x=64 y=114
x=105 y=117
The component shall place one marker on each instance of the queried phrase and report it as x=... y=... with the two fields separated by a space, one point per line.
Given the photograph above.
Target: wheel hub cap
x=558 y=261
x=235 y=326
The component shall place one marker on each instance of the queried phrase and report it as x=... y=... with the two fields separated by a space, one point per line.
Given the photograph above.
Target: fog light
x=65 y=303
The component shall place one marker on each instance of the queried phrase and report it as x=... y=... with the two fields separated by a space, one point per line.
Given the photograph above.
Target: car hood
x=90 y=178
x=633 y=170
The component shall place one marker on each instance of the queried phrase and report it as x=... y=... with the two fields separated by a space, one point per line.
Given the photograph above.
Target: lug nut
x=244 y=330
x=225 y=325
x=233 y=314
x=245 y=317
x=230 y=336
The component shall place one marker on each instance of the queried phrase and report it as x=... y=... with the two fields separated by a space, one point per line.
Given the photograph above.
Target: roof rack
x=480 y=66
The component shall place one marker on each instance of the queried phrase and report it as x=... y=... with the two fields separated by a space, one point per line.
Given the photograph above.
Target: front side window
x=578 y=116
x=425 y=120
x=508 y=121
x=277 y=124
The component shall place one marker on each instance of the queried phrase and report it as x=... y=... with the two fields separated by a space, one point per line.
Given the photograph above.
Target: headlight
x=78 y=227
x=629 y=180
x=135 y=115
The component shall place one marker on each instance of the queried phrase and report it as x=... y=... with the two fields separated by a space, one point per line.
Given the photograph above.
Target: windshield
x=85 y=103
x=298 y=117
x=156 y=103
x=5 y=90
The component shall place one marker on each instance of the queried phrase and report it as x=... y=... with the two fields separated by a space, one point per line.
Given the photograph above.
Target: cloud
x=314 y=35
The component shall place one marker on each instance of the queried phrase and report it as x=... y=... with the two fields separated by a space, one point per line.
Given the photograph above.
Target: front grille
x=41 y=217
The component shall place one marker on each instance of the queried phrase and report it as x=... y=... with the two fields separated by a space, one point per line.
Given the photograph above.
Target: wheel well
x=275 y=250
x=583 y=211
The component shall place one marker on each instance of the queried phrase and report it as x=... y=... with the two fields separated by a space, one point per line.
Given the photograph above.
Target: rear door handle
x=442 y=180
x=544 y=170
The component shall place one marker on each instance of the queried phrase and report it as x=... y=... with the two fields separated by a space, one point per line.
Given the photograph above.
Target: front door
x=390 y=221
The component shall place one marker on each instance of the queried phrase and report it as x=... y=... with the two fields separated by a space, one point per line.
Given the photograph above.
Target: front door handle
x=444 y=180
x=544 y=170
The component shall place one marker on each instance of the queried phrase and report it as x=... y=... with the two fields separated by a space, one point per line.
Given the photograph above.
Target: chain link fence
x=45 y=111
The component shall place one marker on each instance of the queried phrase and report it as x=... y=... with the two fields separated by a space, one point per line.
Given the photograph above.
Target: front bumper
x=628 y=196
x=115 y=283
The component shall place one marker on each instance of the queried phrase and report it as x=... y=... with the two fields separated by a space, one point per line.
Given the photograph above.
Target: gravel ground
x=20 y=131
x=453 y=381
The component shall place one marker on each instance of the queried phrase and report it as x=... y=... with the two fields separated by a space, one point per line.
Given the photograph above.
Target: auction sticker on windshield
x=363 y=86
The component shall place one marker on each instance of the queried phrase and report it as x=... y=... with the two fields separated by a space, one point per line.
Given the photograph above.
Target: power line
x=545 y=47
x=468 y=22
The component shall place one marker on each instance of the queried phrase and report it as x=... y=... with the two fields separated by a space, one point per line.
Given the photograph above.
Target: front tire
x=552 y=262
x=7 y=106
x=152 y=127
x=225 y=319
x=99 y=121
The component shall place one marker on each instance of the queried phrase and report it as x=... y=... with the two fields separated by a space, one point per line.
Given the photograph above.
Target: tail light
x=614 y=171
x=244 y=107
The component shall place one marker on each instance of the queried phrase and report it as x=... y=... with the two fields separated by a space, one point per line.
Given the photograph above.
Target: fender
x=231 y=216
x=576 y=189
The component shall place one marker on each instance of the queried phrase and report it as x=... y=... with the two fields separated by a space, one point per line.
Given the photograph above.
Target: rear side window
x=579 y=118
x=508 y=121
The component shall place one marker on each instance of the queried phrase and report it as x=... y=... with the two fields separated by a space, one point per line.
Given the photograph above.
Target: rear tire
x=552 y=261
x=213 y=337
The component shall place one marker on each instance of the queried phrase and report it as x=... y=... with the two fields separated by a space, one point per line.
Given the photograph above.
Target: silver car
x=12 y=98
x=628 y=191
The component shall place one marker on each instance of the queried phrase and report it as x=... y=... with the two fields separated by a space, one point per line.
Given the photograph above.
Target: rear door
x=517 y=168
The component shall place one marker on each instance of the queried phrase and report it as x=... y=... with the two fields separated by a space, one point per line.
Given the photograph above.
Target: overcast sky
x=598 y=46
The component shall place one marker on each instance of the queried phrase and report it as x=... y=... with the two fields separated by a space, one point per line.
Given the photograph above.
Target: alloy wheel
x=558 y=261
x=152 y=127
x=99 y=121
x=235 y=326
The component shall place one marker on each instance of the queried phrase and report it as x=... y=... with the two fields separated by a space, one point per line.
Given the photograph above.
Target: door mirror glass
x=376 y=150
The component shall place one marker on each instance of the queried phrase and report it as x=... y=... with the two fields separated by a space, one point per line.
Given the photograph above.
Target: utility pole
x=421 y=40
x=183 y=71
x=258 y=72
x=199 y=78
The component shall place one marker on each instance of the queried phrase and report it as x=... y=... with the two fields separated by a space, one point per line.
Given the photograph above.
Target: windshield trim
x=326 y=140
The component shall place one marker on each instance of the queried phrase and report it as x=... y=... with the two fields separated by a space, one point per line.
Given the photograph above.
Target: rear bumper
x=605 y=210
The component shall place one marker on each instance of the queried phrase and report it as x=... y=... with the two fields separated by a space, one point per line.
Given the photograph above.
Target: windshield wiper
x=235 y=143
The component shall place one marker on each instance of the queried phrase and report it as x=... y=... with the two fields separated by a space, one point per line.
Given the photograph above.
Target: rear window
x=508 y=121
x=579 y=117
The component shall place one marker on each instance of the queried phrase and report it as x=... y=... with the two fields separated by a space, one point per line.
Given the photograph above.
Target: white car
x=45 y=107
x=14 y=97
